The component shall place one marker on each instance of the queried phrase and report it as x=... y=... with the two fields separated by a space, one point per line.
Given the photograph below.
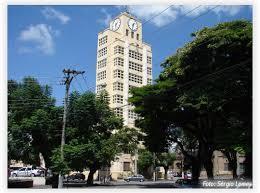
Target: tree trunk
x=232 y=158
x=248 y=165
x=206 y=156
x=91 y=176
x=165 y=172
x=196 y=168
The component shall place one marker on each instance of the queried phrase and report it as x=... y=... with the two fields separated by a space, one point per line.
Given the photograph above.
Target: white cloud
x=40 y=37
x=51 y=13
x=145 y=12
x=107 y=18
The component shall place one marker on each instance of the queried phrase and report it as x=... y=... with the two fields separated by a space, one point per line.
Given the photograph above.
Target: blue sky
x=43 y=40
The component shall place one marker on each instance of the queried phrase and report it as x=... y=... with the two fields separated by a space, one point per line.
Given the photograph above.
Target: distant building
x=221 y=165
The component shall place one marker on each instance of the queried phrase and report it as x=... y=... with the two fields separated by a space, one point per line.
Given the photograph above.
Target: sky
x=43 y=40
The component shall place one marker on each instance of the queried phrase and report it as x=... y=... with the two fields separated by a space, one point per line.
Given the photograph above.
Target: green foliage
x=205 y=89
x=89 y=138
x=166 y=159
x=32 y=121
x=145 y=160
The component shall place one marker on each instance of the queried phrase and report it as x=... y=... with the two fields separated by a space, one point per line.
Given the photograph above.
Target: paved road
x=113 y=185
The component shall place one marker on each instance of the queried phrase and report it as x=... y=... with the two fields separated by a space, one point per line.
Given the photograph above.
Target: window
x=118 y=74
x=100 y=87
x=135 y=78
x=102 y=52
x=241 y=168
x=149 y=60
x=118 y=50
x=226 y=167
x=131 y=86
x=132 y=114
x=102 y=63
x=118 y=99
x=126 y=32
x=118 y=86
x=135 y=55
x=135 y=66
x=102 y=41
x=149 y=71
x=101 y=75
x=126 y=166
x=118 y=61
x=137 y=36
x=118 y=112
x=149 y=81
x=132 y=34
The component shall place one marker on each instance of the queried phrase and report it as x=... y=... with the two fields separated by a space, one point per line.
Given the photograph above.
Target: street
x=39 y=183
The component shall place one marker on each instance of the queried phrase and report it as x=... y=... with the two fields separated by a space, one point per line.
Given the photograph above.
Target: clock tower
x=124 y=61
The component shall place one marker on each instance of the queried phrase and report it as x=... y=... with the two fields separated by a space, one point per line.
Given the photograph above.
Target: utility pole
x=136 y=157
x=68 y=76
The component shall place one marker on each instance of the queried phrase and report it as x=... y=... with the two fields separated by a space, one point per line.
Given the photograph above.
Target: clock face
x=116 y=24
x=132 y=24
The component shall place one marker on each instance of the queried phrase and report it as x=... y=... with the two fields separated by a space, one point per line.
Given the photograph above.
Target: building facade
x=124 y=61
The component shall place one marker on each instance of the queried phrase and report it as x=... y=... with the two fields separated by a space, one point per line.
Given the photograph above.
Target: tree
x=145 y=161
x=32 y=121
x=202 y=88
x=166 y=160
x=89 y=138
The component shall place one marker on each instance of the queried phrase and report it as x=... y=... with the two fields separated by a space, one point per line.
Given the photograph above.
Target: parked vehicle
x=185 y=183
x=25 y=171
x=137 y=177
x=76 y=177
x=187 y=175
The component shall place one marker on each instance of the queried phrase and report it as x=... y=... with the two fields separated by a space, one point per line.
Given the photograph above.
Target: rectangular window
x=149 y=71
x=135 y=78
x=137 y=36
x=118 y=86
x=118 y=74
x=135 y=66
x=102 y=41
x=135 y=55
x=118 y=50
x=101 y=75
x=100 y=88
x=132 y=34
x=130 y=87
x=118 y=99
x=226 y=167
x=126 y=32
x=118 y=61
x=102 y=63
x=126 y=166
x=118 y=112
x=149 y=60
x=241 y=168
x=102 y=52
x=149 y=81
x=132 y=114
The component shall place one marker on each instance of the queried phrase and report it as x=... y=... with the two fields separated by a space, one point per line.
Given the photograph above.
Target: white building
x=123 y=61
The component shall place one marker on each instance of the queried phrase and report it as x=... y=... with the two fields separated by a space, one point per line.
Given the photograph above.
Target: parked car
x=76 y=177
x=185 y=183
x=137 y=177
x=25 y=171
x=187 y=175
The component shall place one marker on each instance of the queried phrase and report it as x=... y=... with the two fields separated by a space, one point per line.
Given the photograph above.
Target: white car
x=26 y=171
